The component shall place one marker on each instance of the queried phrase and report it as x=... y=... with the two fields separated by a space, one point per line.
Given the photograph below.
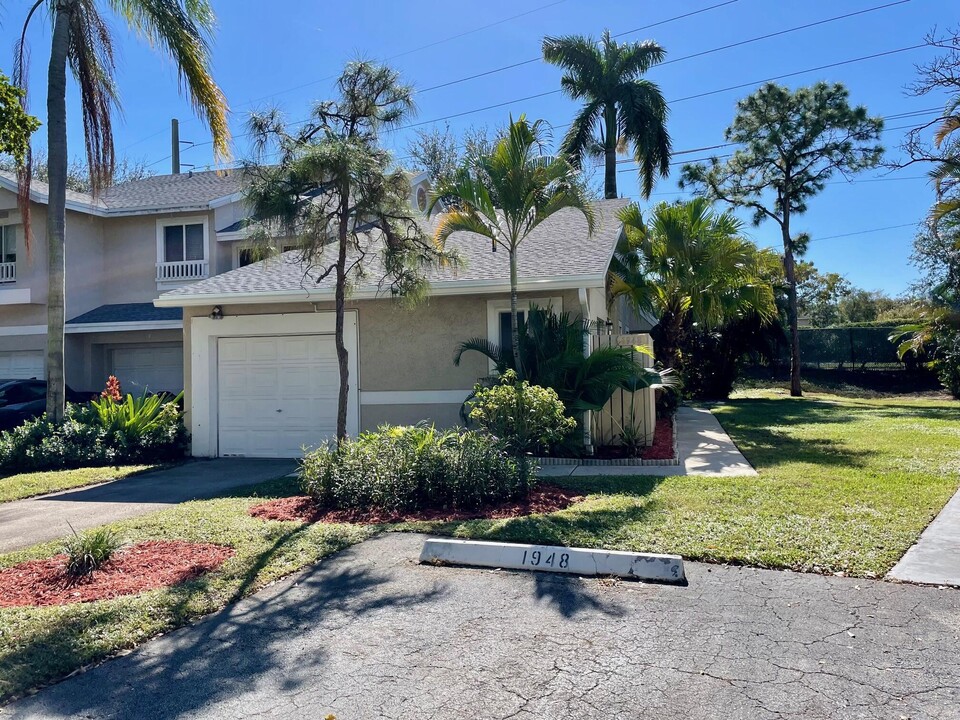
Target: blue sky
x=288 y=56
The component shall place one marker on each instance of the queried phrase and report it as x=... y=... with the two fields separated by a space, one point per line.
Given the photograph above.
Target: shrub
x=88 y=552
x=86 y=438
x=409 y=468
x=528 y=418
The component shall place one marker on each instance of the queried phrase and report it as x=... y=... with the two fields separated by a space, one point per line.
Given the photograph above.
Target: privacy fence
x=845 y=349
x=626 y=412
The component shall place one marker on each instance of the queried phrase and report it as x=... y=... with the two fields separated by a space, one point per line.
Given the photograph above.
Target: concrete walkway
x=27 y=522
x=371 y=634
x=935 y=558
x=703 y=446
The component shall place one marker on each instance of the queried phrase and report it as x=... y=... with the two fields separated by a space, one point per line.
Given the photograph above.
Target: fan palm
x=82 y=41
x=529 y=186
x=689 y=263
x=551 y=354
x=621 y=108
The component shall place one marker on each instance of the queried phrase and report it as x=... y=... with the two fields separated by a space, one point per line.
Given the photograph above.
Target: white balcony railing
x=181 y=270
x=8 y=272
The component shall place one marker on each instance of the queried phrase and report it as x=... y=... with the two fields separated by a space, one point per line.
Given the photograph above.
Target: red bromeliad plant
x=112 y=390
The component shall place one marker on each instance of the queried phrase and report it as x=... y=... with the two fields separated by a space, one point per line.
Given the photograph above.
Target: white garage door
x=156 y=368
x=276 y=394
x=21 y=365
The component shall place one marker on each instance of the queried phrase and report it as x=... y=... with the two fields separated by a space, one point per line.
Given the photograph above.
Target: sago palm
x=621 y=107
x=688 y=263
x=82 y=40
x=529 y=185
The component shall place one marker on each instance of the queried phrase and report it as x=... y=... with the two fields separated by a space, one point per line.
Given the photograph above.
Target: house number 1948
x=535 y=558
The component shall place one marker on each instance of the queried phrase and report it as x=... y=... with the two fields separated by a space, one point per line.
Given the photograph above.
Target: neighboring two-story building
x=124 y=248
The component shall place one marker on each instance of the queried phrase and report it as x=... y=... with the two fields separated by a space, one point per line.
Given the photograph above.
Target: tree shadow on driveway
x=256 y=642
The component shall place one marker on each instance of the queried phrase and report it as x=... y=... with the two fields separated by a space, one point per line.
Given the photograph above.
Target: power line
x=865 y=232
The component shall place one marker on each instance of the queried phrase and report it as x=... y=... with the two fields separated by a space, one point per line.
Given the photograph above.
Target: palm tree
x=82 y=40
x=690 y=264
x=530 y=187
x=621 y=107
x=551 y=353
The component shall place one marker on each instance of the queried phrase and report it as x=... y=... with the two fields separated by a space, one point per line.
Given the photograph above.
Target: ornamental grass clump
x=528 y=418
x=89 y=552
x=403 y=468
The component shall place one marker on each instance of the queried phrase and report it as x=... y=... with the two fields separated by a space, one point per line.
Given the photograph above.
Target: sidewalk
x=935 y=558
x=702 y=444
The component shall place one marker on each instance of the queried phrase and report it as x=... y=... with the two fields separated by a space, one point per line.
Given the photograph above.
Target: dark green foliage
x=528 y=418
x=399 y=469
x=82 y=440
x=16 y=126
x=90 y=551
x=551 y=355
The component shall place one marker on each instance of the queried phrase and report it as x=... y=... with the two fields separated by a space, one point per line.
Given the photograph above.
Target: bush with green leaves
x=403 y=468
x=145 y=430
x=89 y=551
x=528 y=418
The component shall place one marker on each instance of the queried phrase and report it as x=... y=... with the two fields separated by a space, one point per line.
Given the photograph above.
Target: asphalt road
x=371 y=634
x=27 y=522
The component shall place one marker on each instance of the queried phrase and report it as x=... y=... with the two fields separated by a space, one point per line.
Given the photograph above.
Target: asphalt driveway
x=371 y=634
x=27 y=522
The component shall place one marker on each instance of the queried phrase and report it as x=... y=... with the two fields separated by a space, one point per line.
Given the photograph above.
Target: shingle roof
x=127 y=312
x=557 y=249
x=187 y=191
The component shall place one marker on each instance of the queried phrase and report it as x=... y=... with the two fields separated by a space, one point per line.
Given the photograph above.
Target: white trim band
x=145 y=325
x=14 y=330
x=413 y=397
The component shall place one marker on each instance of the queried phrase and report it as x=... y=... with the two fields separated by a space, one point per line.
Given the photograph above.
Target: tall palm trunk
x=514 y=325
x=56 y=208
x=341 y=299
x=610 y=138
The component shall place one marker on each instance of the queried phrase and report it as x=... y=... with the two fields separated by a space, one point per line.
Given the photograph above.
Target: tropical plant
x=16 y=126
x=690 y=266
x=551 y=352
x=334 y=189
x=621 y=108
x=505 y=195
x=82 y=40
x=528 y=418
x=399 y=469
x=134 y=417
x=90 y=551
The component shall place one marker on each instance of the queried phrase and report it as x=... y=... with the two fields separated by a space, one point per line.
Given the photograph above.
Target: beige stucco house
x=123 y=249
x=260 y=367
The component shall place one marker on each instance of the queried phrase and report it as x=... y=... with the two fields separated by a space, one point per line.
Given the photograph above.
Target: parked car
x=22 y=400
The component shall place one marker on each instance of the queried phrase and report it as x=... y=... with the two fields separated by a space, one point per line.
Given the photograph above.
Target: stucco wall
x=88 y=353
x=403 y=350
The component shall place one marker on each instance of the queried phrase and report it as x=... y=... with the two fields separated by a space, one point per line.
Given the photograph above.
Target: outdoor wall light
x=216 y=313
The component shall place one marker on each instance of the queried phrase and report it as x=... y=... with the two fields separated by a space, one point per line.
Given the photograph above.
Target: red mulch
x=144 y=566
x=542 y=499
x=662 y=448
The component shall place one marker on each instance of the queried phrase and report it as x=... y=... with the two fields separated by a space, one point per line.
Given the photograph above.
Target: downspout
x=585 y=314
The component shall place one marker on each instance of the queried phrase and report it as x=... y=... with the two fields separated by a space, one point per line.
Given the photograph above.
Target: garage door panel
x=21 y=365
x=295 y=375
x=153 y=368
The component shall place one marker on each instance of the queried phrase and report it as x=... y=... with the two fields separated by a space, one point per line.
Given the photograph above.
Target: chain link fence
x=845 y=349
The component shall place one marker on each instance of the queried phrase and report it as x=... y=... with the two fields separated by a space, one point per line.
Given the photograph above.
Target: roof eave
x=450 y=287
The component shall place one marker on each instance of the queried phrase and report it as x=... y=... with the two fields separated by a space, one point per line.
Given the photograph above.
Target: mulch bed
x=662 y=448
x=542 y=499
x=144 y=566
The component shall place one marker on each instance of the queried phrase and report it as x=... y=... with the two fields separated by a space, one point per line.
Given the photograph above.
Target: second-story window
x=8 y=253
x=183 y=242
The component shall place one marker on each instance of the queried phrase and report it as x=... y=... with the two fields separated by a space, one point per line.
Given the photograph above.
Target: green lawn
x=42 y=644
x=17 y=487
x=845 y=485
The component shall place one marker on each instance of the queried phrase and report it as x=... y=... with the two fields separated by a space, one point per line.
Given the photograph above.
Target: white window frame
x=172 y=222
x=496 y=307
x=16 y=254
